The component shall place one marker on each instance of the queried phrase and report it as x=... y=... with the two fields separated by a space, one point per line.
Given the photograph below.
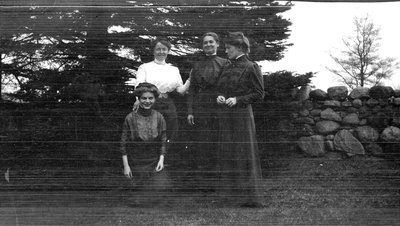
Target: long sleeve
x=190 y=102
x=163 y=137
x=256 y=86
x=163 y=149
x=192 y=92
x=124 y=137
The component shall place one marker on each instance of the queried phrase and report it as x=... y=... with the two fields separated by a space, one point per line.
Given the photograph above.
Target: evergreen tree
x=67 y=51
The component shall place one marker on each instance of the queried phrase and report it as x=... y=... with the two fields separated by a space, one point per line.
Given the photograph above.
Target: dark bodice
x=144 y=132
x=204 y=77
x=206 y=71
x=241 y=79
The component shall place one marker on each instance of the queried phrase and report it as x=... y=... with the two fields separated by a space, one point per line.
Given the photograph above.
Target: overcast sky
x=318 y=29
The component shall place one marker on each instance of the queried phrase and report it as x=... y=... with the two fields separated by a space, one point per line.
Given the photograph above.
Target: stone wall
x=361 y=122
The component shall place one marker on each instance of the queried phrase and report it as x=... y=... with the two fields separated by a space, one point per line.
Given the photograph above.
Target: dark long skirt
x=205 y=144
x=167 y=108
x=149 y=188
x=240 y=170
x=145 y=178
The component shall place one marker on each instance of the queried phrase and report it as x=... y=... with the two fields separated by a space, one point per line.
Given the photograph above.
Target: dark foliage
x=71 y=64
x=75 y=54
x=279 y=85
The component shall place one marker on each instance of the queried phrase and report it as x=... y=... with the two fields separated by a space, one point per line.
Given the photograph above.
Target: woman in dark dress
x=143 y=145
x=239 y=86
x=202 y=107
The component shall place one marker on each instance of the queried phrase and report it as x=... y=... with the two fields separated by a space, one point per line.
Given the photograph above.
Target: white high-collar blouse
x=164 y=76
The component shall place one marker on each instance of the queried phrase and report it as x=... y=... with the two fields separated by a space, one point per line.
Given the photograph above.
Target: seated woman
x=143 y=145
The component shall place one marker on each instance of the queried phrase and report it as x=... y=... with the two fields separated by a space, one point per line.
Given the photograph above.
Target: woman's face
x=210 y=46
x=232 y=51
x=146 y=100
x=160 y=51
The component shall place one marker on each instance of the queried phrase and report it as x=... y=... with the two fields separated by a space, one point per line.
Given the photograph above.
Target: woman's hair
x=238 y=39
x=212 y=34
x=163 y=41
x=146 y=87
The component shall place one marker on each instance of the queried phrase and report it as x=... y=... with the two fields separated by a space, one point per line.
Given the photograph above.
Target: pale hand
x=231 y=101
x=221 y=100
x=127 y=172
x=190 y=120
x=160 y=164
x=135 y=106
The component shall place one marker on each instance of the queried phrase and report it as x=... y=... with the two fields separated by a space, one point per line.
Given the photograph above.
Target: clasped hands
x=231 y=101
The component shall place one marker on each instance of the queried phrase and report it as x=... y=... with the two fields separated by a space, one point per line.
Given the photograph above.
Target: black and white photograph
x=199 y=113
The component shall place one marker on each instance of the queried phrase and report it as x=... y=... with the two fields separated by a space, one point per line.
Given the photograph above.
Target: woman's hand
x=127 y=171
x=190 y=120
x=221 y=100
x=183 y=89
x=231 y=101
x=135 y=106
x=160 y=164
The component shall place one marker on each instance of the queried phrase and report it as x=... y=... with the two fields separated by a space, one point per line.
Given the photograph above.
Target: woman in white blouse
x=167 y=79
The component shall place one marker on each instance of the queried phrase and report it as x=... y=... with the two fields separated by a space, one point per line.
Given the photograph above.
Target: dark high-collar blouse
x=204 y=76
x=242 y=79
x=145 y=129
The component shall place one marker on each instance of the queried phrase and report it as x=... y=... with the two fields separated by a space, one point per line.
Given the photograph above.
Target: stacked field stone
x=358 y=123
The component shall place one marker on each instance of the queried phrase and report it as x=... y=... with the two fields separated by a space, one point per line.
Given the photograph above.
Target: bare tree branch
x=360 y=63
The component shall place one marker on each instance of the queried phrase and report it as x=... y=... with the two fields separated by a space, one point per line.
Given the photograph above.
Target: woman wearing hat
x=239 y=86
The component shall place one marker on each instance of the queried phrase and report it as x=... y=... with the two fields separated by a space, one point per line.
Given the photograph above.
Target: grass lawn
x=298 y=191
